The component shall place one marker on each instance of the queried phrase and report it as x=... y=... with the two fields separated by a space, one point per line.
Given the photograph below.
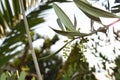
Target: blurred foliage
x=13 y=76
x=117 y=68
x=76 y=67
x=12 y=26
x=49 y=68
x=12 y=32
x=15 y=44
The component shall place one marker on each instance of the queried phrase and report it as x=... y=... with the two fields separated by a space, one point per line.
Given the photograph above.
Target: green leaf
x=60 y=24
x=69 y=33
x=3 y=76
x=75 y=22
x=63 y=18
x=5 y=12
x=93 y=17
x=22 y=75
x=10 y=45
x=7 y=50
x=9 y=12
x=16 y=8
x=93 y=12
x=5 y=59
x=2 y=23
x=34 y=21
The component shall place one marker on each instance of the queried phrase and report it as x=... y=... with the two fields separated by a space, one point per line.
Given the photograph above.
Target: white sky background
x=83 y=22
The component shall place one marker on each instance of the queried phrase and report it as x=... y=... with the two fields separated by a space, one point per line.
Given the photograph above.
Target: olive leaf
x=63 y=18
x=93 y=12
x=69 y=33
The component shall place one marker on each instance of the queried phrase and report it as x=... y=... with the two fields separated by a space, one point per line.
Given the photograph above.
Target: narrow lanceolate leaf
x=63 y=18
x=69 y=33
x=5 y=14
x=60 y=24
x=16 y=8
x=2 y=23
x=92 y=11
x=9 y=11
x=75 y=22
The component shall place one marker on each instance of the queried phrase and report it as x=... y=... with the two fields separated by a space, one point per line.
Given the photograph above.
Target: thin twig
x=52 y=55
x=103 y=29
x=30 y=42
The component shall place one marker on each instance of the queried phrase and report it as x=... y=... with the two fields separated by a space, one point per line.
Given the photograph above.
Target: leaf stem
x=30 y=42
x=51 y=55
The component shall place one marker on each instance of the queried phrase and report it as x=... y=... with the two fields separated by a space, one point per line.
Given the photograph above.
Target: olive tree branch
x=103 y=29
